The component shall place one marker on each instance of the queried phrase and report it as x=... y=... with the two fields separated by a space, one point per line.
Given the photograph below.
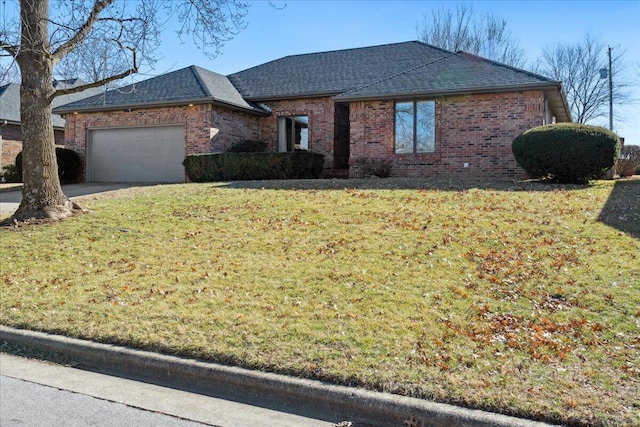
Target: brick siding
x=208 y=128
x=321 y=124
x=474 y=129
x=11 y=136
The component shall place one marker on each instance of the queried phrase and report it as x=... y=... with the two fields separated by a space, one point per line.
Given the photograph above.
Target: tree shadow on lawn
x=440 y=184
x=622 y=209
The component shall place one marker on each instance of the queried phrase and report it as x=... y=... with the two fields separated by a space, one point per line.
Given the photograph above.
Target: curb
x=5 y=188
x=310 y=398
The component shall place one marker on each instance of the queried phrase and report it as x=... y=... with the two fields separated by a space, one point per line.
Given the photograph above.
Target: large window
x=293 y=133
x=415 y=127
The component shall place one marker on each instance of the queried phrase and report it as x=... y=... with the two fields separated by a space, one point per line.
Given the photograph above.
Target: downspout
x=3 y=124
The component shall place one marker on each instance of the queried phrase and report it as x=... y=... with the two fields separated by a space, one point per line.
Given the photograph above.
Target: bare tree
x=486 y=35
x=110 y=39
x=578 y=66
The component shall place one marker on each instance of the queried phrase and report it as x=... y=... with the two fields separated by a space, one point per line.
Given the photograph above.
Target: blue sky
x=306 y=26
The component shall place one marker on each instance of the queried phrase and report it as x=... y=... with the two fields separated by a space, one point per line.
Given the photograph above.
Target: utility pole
x=610 y=92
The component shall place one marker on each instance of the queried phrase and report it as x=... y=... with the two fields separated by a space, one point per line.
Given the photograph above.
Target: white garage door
x=140 y=154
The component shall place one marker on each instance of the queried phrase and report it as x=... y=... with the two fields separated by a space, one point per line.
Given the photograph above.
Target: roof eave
x=447 y=92
x=10 y=122
x=178 y=103
x=294 y=96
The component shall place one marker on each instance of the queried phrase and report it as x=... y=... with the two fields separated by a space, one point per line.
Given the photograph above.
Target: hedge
x=567 y=152
x=253 y=166
x=69 y=165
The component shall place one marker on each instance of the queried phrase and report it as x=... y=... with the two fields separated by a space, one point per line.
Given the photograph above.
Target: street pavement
x=206 y=392
x=36 y=393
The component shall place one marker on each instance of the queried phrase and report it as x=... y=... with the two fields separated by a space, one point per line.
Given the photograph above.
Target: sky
x=279 y=28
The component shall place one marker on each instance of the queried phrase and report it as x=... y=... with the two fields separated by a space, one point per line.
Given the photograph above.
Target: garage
x=136 y=154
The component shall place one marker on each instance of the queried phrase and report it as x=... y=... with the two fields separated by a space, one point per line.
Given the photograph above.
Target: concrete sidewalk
x=296 y=396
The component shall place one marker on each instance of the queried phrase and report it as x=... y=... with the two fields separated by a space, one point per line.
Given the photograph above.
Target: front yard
x=516 y=298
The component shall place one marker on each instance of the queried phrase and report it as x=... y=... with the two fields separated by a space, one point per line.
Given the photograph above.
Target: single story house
x=11 y=125
x=429 y=111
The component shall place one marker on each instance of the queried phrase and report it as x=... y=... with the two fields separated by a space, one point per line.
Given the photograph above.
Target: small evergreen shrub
x=253 y=166
x=374 y=167
x=567 y=152
x=248 y=146
x=69 y=165
x=10 y=174
x=629 y=162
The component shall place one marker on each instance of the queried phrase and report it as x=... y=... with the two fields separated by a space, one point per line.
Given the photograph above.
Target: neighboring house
x=429 y=111
x=11 y=125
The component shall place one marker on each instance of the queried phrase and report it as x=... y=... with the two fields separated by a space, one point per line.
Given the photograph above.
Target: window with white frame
x=415 y=130
x=293 y=133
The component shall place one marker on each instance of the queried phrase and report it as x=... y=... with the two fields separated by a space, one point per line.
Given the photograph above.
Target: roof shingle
x=188 y=85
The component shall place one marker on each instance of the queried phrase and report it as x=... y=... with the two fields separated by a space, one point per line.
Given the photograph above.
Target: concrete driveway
x=9 y=200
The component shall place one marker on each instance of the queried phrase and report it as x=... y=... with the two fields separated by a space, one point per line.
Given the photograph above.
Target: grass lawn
x=517 y=298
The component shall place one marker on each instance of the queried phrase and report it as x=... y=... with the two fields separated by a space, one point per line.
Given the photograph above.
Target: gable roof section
x=455 y=73
x=461 y=73
x=392 y=71
x=332 y=73
x=191 y=85
x=10 y=100
x=10 y=103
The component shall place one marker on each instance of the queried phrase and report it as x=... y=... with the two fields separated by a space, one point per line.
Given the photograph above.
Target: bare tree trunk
x=42 y=196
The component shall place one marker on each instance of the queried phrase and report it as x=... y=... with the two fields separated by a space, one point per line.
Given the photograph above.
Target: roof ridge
x=511 y=67
x=196 y=72
x=298 y=55
x=393 y=76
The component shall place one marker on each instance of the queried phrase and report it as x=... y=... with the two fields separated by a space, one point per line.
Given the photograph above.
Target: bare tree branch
x=82 y=32
x=578 y=67
x=97 y=83
x=486 y=36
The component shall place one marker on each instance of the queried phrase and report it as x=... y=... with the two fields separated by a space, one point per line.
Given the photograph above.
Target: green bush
x=629 y=162
x=567 y=152
x=10 y=174
x=253 y=166
x=69 y=165
x=248 y=146
x=374 y=167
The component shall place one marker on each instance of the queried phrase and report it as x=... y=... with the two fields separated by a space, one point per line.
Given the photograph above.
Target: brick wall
x=208 y=128
x=231 y=127
x=474 y=129
x=321 y=124
x=12 y=143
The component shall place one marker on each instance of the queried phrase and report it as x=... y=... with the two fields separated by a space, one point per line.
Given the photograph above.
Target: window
x=293 y=133
x=415 y=127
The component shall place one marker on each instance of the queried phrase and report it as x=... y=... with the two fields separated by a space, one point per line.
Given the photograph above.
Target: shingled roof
x=391 y=71
x=191 y=85
x=10 y=100
x=332 y=73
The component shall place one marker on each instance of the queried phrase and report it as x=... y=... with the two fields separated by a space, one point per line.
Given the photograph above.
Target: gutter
x=177 y=103
x=288 y=97
x=411 y=95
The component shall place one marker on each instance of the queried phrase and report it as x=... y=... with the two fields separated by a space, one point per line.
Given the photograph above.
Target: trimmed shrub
x=248 y=146
x=374 y=167
x=567 y=152
x=69 y=165
x=253 y=166
x=629 y=162
x=10 y=174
